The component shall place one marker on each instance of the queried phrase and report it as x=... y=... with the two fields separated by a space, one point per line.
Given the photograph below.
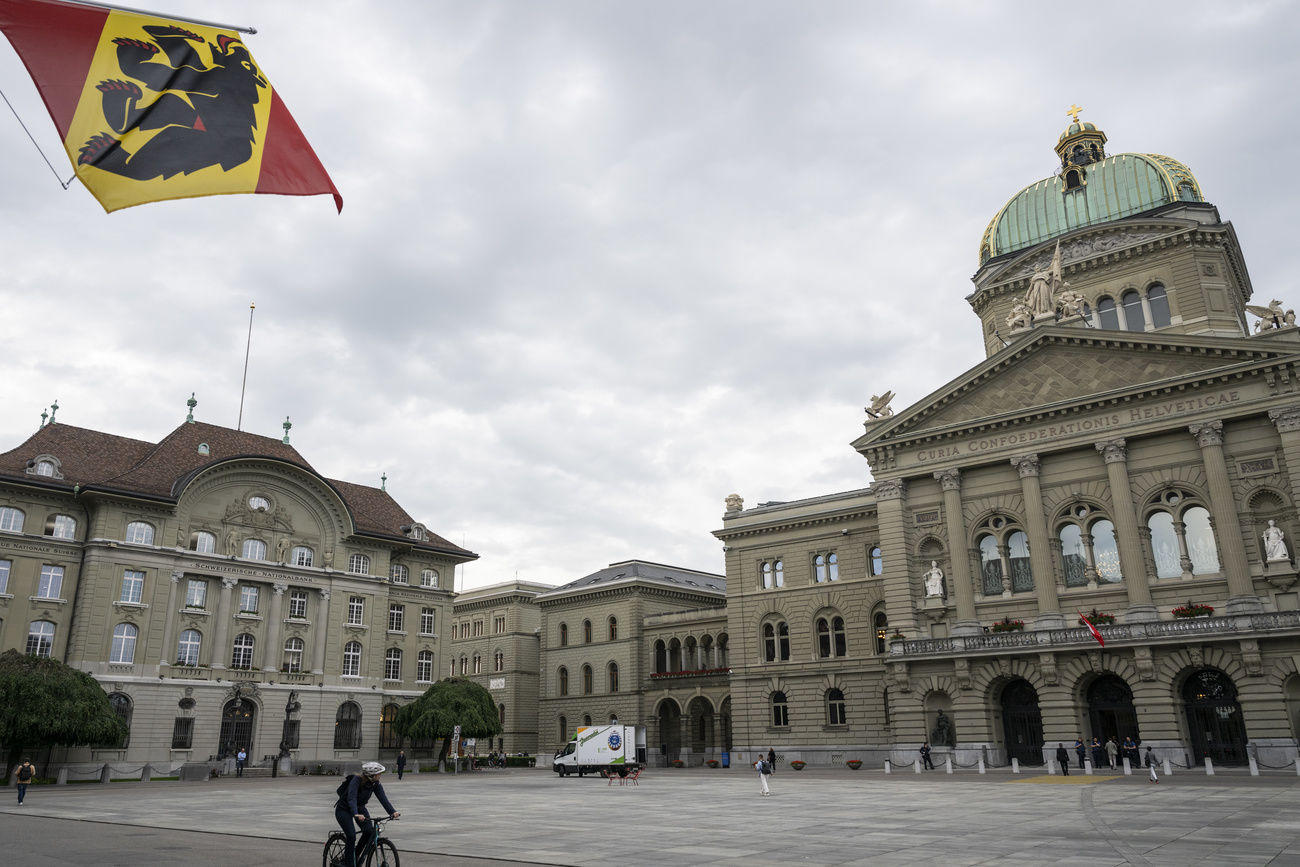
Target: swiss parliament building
x=1127 y=452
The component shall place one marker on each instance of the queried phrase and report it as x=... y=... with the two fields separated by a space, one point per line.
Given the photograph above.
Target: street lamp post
x=290 y=708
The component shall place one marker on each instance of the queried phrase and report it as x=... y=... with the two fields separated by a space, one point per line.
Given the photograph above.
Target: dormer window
x=45 y=468
x=44 y=465
x=1073 y=179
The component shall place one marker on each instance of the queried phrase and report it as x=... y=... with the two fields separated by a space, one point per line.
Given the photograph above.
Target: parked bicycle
x=374 y=851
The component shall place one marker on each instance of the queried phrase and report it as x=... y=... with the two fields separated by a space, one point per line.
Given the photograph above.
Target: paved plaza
x=697 y=816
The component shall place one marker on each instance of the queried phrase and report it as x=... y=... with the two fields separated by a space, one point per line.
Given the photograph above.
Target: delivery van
x=615 y=748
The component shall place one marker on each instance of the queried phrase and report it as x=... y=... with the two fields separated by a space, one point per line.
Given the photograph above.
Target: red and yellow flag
x=152 y=109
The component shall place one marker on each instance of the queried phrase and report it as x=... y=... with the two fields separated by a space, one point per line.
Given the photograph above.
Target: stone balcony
x=1119 y=635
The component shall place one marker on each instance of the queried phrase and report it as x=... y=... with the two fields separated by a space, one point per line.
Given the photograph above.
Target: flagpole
x=239 y=425
x=198 y=21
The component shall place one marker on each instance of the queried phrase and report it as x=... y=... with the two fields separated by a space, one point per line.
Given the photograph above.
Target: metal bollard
x=916 y=765
x=1128 y=768
x=146 y=773
x=106 y=774
x=1051 y=767
x=887 y=768
x=949 y=763
x=1015 y=765
x=1254 y=767
x=981 y=764
x=1169 y=769
x=1209 y=767
x=1087 y=767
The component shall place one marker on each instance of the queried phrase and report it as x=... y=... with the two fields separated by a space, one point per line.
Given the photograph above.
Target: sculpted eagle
x=205 y=115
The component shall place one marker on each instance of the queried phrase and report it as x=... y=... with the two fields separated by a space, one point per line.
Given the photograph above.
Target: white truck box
x=615 y=748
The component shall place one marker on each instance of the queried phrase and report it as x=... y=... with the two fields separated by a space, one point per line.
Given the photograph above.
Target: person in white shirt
x=762 y=778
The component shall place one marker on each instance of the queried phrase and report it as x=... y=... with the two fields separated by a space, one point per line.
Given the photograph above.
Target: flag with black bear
x=150 y=109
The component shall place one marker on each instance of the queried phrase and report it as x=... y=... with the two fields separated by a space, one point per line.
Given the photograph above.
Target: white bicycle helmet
x=372 y=769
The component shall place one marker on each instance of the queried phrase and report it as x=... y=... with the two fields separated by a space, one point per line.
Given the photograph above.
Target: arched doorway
x=1214 y=718
x=703 y=738
x=670 y=730
x=237 y=719
x=1022 y=723
x=1111 y=711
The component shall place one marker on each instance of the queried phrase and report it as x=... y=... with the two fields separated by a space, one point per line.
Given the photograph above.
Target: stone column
x=899 y=604
x=685 y=753
x=1232 y=550
x=319 y=633
x=222 y=623
x=1131 y=561
x=169 y=622
x=959 y=563
x=1040 y=550
x=1287 y=421
x=271 y=657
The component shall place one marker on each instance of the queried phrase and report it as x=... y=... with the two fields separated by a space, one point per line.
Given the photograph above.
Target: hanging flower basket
x=1006 y=624
x=713 y=763
x=797 y=765
x=1192 y=609
x=678 y=763
x=854 y=764
x=1097 y=618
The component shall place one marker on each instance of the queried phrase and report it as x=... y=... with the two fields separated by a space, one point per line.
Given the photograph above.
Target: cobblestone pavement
x=817 y=816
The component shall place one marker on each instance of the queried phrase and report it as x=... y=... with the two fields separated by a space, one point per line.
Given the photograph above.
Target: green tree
x=449 y=703
x=46 y=703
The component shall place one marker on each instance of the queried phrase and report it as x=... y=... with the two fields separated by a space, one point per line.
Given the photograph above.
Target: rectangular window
x=426 y=621
x=393 y=665
x=499 y=625
x=196 y=593
x=183 y=733
x=396 y=618
x=455 y=632
x=356 y=611
x=51 y=582
x=424 y=667
x=298 y=603
x=132 y=587
x=4 y=575
x=478 y=628
x=248 y=598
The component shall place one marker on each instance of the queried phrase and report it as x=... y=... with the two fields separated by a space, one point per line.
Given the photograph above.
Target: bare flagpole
x=169 y=17
x=240 y=424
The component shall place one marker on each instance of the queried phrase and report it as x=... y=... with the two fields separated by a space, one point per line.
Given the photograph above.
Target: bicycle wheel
x=383 y=855
x=335 y=846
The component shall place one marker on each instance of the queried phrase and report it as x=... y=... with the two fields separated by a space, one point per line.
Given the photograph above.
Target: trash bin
x=726 y=759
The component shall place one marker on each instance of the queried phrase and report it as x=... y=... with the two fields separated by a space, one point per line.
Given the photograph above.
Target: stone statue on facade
x=1020 y=316
x=880 y=405
x=282 y=550
x=735 y=503
x=941 y=734
x=1274 y=547
x=1071 y=303
x=1044 y=287
x=1270 y=317
x=232 y=543
x=934 y=580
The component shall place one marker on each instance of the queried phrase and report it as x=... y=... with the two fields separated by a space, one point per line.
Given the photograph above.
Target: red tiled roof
x=93 y=459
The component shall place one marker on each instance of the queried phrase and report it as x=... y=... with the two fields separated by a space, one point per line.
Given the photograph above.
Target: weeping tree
x=445 y=705
x=45 y=703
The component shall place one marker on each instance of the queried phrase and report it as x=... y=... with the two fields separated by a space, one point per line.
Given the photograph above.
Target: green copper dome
x=1087 y=195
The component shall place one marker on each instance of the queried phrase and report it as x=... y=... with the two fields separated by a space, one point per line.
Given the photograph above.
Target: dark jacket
x=358 y=795
x=401 y=761
x=1063 y=755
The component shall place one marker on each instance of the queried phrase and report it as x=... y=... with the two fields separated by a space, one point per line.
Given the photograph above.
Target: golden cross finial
x=1073 y=111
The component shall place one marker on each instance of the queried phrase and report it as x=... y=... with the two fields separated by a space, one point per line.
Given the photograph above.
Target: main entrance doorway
x=1214 y=718
x=237 y=719
x=1022 y=723
x=1111 y=711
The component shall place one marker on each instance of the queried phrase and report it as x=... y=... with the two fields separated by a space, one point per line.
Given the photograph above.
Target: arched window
x=301 y=555
x=661 y=657
x=1074 y=557
x=123 y=650
x=464 y=665
x=45 y=468
x=613 y=629
x=564 y=730
x=783 y=640
x=478 y=664
x=835 y=715
x=393 y=664
x=564 y=681
x=877 y=558
x=564 y=635
x=780 y=710
x=359 y=564
x=833 y=567
x=1072 y=181
x=1107 y=314
x=399 y=574
x=613 y=677
x=1164 y=545
x=819 y=568
x=123 y=707
x=501 y=716
x=769 y=642
x=823 y=638
x=778 y=573
x=1105 y=552
x=586 y=680
x=203 y=542
x=40 y=638
x=1200 y=541
x=586 y=720
x=424 y=666
x=139 y=533
x=882 y=630
x=187 y=650
x=293 y=655
x=838 y=637
x=11 y=520
x=389 y=739
x=352 y=659
x=61 y=527
x=767 y=576
x=586 y=632
x=1134 y=318
x=773 y=574
x=1022 y=574
x=254 y=549
x=241 y=656
x=1159 y=303
x=990 y=566
x=429 y=578
x=347 y=726
x=499 y=661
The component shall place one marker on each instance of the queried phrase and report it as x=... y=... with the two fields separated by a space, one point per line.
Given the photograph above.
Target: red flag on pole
x=149 y=110
x=1092 y=629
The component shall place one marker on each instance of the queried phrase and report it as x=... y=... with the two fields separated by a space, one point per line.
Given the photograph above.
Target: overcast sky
x=601 y=264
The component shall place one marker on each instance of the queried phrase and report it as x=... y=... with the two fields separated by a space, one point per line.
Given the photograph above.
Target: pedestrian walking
x=1150 y=759
x=401 y=763
x=771 y=760
x=23 y=775
x=1080 y=750
x=1112 y=752
x=1063 y=756
x=925 y=756
x=1097 y=752
x=764 y=771
x=241 y=758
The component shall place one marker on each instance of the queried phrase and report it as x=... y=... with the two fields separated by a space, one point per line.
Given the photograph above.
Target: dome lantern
x=1080 y=145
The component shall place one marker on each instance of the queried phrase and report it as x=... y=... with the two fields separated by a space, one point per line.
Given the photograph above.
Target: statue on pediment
x=1044 y=286
x=1272 y=316
x=1070 y=303
x=880 y=405
x=1020 y=316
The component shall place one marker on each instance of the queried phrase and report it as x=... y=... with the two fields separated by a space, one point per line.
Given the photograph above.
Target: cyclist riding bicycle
x=352 y=806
